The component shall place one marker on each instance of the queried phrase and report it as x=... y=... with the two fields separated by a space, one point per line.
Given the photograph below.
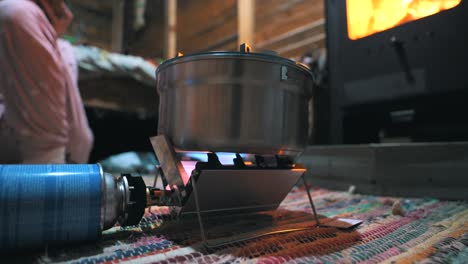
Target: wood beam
x=170 y=49
x=246 y=21
x=118 y=11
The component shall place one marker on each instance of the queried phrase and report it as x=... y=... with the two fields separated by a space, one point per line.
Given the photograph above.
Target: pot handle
x=245 y=48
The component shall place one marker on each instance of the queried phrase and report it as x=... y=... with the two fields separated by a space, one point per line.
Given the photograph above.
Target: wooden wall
x=148 y=42
x=290 y=27
x=206 y=25
x=92 y=22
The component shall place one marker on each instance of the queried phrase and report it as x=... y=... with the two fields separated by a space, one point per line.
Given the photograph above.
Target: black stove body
x=409 y=81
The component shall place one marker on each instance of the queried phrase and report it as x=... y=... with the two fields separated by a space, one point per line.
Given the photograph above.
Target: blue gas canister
x=55 y=204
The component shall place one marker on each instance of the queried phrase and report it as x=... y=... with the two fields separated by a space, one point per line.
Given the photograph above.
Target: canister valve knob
x=135 y=208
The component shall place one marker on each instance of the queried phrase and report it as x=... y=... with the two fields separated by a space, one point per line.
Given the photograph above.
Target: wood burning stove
x=406 y=77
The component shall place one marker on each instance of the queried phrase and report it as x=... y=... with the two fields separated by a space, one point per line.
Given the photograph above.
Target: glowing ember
x=366 y=17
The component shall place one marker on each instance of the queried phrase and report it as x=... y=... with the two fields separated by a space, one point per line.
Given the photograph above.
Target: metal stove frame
x=232 y=179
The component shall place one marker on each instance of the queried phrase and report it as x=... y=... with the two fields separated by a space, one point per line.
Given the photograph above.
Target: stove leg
x=197 y=206
x=310 y=200
x=200 y=219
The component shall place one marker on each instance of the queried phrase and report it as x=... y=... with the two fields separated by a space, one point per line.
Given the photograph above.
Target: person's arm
x=80 y=137
x=40 y=82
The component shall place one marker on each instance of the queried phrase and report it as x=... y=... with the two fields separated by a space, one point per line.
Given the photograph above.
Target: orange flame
x=366 y=17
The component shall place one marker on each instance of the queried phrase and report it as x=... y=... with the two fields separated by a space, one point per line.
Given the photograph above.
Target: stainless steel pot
x=234 y=102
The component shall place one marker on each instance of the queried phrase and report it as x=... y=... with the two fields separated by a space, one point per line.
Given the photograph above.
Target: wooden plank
x=196 y=18
x=303 y=43
x=310 y=26
x=171 y=29
x=221 y=44
x=246 y=21
x=118 y=9
x=224 y=17
x=213 y=38
x=205 y=23
x=294 y=37
x=296 y=54
x=287 y=17
x=232 y=46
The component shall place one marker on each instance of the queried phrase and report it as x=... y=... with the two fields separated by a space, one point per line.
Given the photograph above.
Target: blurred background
x=119 y=44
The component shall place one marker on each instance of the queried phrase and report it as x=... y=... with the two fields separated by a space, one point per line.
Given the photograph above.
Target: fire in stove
x=366 y=17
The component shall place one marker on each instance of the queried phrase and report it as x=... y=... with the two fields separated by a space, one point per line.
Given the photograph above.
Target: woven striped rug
x=394 y=230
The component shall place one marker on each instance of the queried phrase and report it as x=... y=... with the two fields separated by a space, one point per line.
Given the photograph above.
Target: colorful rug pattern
x=394 y=231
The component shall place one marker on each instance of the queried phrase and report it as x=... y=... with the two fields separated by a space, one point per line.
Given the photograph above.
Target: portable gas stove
x=237 y=102
x=214 y=188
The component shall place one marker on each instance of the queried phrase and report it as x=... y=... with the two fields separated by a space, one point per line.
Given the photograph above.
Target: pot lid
x=244 y=53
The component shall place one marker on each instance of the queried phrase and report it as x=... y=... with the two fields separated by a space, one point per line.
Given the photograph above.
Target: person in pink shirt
x=42 y=118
